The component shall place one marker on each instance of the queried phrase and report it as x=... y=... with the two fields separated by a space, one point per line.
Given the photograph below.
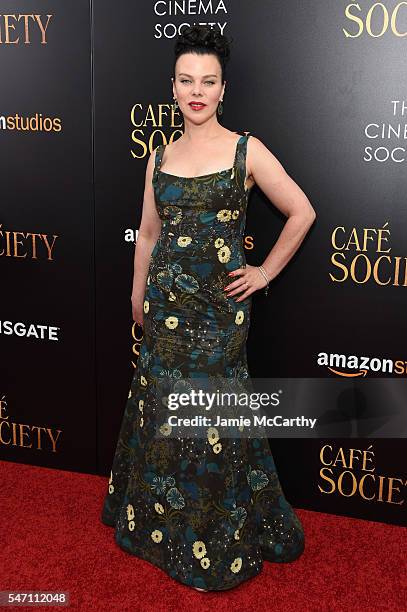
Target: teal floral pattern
x=209 y=511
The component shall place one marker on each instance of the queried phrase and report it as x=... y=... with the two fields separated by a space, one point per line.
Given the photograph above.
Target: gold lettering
x=366 y=458
x=324 y=475
x=381 y=10
x=349 y=483
x=322 y=454
x=26 y=20
x=353 y=482
x=391 y=488
x=361 y=486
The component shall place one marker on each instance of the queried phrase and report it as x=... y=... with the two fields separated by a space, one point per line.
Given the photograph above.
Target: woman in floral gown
x=208 y=511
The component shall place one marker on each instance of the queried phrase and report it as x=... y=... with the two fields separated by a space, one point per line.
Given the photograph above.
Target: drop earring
x=176 y=103
x=220 y=107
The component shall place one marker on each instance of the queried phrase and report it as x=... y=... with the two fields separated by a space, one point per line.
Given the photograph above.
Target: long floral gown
x=206 y=511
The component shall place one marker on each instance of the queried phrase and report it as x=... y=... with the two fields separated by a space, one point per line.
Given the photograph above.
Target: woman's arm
x=150 y=227
x=287 y=196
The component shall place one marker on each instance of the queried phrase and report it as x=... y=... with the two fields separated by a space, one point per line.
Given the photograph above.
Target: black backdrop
x=319 y=84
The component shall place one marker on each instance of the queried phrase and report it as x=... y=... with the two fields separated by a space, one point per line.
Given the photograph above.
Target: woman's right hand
x=137 y=310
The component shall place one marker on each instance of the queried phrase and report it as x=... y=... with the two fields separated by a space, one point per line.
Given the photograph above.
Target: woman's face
x=198 y=79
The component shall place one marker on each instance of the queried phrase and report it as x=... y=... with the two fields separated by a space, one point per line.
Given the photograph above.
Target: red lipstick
x=196 y=105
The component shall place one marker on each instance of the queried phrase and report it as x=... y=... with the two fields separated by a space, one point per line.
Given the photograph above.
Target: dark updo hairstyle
x=203 y=39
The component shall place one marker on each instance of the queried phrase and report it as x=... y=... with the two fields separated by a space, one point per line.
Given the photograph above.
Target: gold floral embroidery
x=199 y=549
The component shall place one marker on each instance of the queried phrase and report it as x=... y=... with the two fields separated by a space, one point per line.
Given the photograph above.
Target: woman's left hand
x=248 y=279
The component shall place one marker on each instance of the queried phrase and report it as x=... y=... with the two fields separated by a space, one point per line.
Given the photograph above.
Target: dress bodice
x=209 y=207
x=201 y=237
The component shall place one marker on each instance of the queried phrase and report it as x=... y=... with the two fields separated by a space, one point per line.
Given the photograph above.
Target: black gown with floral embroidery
x=206 y=511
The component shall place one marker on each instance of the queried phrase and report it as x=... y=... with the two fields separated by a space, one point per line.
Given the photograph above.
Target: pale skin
x=206 y=147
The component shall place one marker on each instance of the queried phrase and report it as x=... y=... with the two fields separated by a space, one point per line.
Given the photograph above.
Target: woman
x=207 y=511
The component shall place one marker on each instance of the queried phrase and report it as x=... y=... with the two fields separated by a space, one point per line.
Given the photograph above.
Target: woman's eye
x=188 y=81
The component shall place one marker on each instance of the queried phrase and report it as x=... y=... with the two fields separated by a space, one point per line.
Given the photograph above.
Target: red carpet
x=52 y=539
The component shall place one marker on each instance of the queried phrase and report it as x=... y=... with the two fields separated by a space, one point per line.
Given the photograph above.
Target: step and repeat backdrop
x=86 y=96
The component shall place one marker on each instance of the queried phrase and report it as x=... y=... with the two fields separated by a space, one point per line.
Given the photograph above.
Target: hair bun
x=203 y=36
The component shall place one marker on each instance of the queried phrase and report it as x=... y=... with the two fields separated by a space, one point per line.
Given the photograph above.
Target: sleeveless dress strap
x=240 y=160
x=239 y=145
x=159 y=156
